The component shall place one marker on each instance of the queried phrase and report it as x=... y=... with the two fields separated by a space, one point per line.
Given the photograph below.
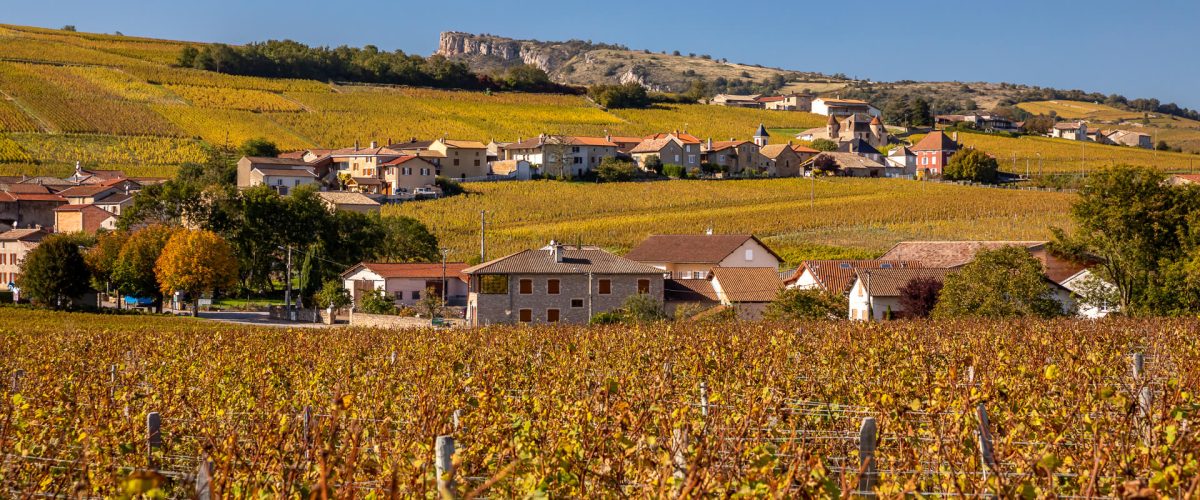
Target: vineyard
x=1176 y=131
x=163 y=406
x=868 y=215
x=1052 y=156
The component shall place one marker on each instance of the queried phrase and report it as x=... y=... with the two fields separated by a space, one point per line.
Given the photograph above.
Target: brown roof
x=401 y=160
x=888 y=282
x=719 y=145
x=682 y=136
x=803 y=149
x=367 y=181
x=773 y=151
x=836 y=276
x=690 y=290
x=747 y=284
x=845 y=102
x=936 y=141
x=652 y=145
x=48 y=181
x=88 y=190
x=25 y=188
x=575 y=260
x=465 y=144
x=10 y=197
x=1068 y=125
x=691 y=248
x=537 y=142
x=115 y=198
x=26 y=234
x=944 y=254
x=376 y=151
x=852 y=160
x=770 y=99
x=271 y=160
x=346 y=198
x=453 y=270
x=286 y=172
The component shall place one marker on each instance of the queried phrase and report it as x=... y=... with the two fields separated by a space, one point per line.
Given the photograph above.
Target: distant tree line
x=368 y=64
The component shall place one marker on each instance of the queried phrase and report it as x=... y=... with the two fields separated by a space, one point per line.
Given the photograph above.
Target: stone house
x=26 y=210
x=14 y=245
x=671 y=149
x=556 y=283
x=748 y=290
x=83 y=219
x=565 y=155
x=734 y=155
x=781 y=160
x=1075 y=131
x=461 y=159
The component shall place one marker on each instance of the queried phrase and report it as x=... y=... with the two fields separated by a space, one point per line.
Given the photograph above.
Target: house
x=1075 y=131
x=1183 y=179
x=115 y=203
x=853 y=127
x=933 y=151
x=407 y=283
x=836 y=276
x=748 y=290
x=281 y=174
x=495 y=150
x=781 y=160
x=694 y=295
x=903 y=158
x=555 y=283
x=1128 y=138
x=364 y=162
x=692 y=256
x=624 y=142
x=861 y=148
x=86 y=194
x=93 y=176
x=14 y=245
x=850 y=164
x=1081 y=285
x=562 y=155
x=348 y=201
x=788 y=102
x=842 y=107
x=670 y=150
x=733 y=155
x=516 y=169
x=738 y=101
x=979 y=121
x=28 y=209
x=875 y=293
x=403 y=174
x=805 y=153
x=83 y=219
x=461 y=159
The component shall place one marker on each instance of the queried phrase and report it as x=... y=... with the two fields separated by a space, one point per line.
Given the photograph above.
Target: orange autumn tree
x=196 y=262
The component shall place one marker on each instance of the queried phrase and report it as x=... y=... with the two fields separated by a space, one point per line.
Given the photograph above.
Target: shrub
x=674 y=171
x=795 y=303
x=824 y=145
x=971 y=165
x=613 y=169
x=377 y=302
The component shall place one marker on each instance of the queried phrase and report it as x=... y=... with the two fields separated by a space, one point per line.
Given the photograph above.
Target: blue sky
x=1139 y=49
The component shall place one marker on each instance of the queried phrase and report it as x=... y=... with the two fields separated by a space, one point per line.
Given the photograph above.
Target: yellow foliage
x=230 y=98
x=196 y=262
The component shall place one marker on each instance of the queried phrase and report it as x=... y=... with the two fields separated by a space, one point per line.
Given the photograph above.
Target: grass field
x=849 y=217
x=761 y=410
x=1066 y=156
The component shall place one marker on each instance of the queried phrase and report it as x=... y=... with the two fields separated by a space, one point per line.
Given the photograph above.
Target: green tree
x=430 y=305
x=674 y=171
x=55 y=271
x=377 y=302
x=196 y=262
x=259 y=147
x=824 y=145
x=800 y=304
x=407 y=240
x=626 y=95
x=653 y=164
x=614 y=169
x=527 y=77
x=971 y=165
x=133 y=272
x=642 y=308
x=1002 y=283
x=102 y=257
x=333 y=294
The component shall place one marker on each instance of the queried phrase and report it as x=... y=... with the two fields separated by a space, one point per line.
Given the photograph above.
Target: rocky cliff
x=580 y=62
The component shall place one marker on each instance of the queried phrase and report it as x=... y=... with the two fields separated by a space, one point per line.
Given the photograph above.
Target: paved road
x=255 y=318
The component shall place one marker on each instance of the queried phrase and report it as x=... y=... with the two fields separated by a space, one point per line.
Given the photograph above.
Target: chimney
x=390 y=141
x=710 y=143
x=607 y=136
x=374 y=144
x=356 y=144
x=708 y=231
x=955 y=136
x=78 y=170
x=555 y=251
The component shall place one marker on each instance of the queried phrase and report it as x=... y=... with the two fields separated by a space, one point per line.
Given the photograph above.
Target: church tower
x=761 y=137
x=879 y=136
x=834 y=128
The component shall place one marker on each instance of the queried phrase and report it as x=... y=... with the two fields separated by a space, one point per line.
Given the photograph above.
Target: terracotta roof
x=367 y=181
x=836 y=276
x=589 y=141
x=294 y=155
x=10 y=197
x=888 y=282
x=575 y=260
x=691 y=248
x=624 y=139
x=773 y=151
x=936 y=141
x=346 y=198
x=747 y=284
x=411 y=270
x=286 y=172
x=1187 y=178
x=682 y=136
x=376 y=151
x=770 y=99
x=720 y=145
x=652 y=145
x=949 y=253
x=402 y=160
x=690 y=290
x=271 y=160
x=803 y=149
x=104 y=174
x=537 y=142
x=88 y=190
x=465 y=144
x=26 y=234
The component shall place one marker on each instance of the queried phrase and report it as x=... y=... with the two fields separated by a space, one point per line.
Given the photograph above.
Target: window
x=691 y=158
x=416 y=295
x=676 y=158
x=493 y=284
x=552 y=315
x=398 y=295
x=575 y=149
x=526 y=287
x=605 y=287
x=860 y=291
x=576 y=303
x=552 y=287
x=525 y=315
x=644 y=286
x=749 y=254
x=476 y=163
x=456 y=162
x=576 y=160
x=406 y=171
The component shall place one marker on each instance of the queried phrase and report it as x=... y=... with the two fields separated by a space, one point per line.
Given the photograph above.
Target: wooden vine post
x=986 y=452
x=868 y=470
x=153 y=435
x=443 y=451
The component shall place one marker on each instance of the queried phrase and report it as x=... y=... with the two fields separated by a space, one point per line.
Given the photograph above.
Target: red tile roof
x=836 y=276
x=950 y=253
x=936 y=141
x=747 y=284
x=10 y=197
x=575 y=260
x=689 y=290
x=683 y=137
x=691 y=248
x=888 y=282
x=804 y=149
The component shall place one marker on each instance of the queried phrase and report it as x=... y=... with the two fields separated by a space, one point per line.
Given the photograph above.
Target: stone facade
x=574 y=302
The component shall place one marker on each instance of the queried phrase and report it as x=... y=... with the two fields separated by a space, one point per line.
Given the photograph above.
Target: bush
x=613 y=169
x=607 y=318
x=378 y=302
x=626 y=95
x=795 y=303
x=333 y=294
x=971 y=165
x=674 y=171
x=449 y=187
x=642 y=308
x=824 y=145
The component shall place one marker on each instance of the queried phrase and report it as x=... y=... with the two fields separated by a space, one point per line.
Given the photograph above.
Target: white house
x=1075 y=131
x=875 y=294
x=842 y=107
x=904 y=158
x=693 y=256
x=1085 y=285
x=407 y=282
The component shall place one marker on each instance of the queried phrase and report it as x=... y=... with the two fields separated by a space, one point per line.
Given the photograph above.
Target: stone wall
x=386 y=321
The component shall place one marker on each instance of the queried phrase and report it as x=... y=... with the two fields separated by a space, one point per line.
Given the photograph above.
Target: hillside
x=117 y=102
x=1176 y=131
x=586 y=63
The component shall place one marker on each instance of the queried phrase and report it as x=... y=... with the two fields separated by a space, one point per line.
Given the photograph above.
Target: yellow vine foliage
x=195 y=262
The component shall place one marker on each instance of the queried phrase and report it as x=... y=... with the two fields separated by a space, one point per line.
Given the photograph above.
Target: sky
x=1139 y=49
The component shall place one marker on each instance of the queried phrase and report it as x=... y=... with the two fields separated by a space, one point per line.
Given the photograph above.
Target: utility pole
x=444 y=250
x=483 y=236
x=287 y=294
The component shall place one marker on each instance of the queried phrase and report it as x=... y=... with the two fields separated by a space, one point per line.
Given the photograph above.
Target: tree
x=54 y=271
x=133 y=272
x=825 y=164
x=801 y=304
x=674 y=171
x=377 y=302
x=971 y=165
x=614 y=169
x=527 y=77
x=653 y=163
x=430 y=304
x=824 y=145
x=406 y=240
x=69 y=27
x=101 y=259
x=1002 y=283
x=195 y=262
x=259 y=147
x=333 y=294
x=919 y=296
x=1162 y=146
x=642 y=308
x=625 y=95
x=1039 y=124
